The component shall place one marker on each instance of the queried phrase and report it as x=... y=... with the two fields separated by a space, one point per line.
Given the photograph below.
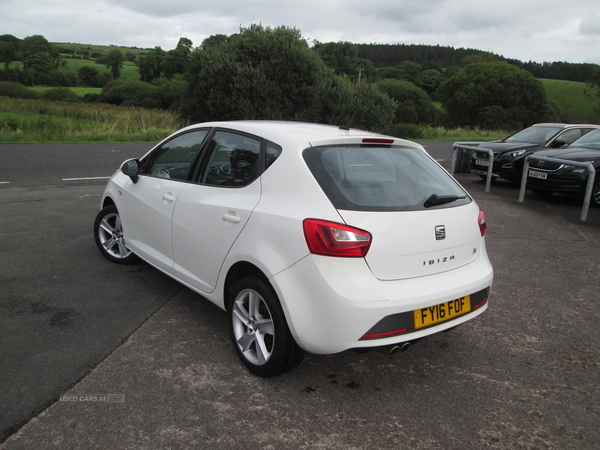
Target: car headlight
x=580 y=169
x=517 y=153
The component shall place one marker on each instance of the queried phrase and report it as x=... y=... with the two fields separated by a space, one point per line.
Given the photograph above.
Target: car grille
x=481 y=155
x=544 y=165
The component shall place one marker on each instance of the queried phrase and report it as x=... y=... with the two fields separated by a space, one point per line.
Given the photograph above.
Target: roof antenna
x=347 y=126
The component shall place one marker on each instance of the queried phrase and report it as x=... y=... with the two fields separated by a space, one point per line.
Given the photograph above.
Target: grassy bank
x=39 y=121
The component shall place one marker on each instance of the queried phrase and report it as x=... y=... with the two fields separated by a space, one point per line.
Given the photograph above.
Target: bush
x=56 y=78
x=16 y=90
x=91 y=98
x=16 y=76
x=128 y=93
x=413 y=103
x=495 y=95
x=60 y=94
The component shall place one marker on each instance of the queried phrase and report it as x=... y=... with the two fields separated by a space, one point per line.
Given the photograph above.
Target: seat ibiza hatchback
x=312 y=237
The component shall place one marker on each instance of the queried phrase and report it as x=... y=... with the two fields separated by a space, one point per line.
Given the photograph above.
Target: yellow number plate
x=442 y=312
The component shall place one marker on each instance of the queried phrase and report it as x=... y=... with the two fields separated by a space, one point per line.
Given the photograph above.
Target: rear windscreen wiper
x=435 y=200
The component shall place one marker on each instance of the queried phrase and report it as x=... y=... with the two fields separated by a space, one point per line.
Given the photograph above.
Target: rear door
x=211 y=213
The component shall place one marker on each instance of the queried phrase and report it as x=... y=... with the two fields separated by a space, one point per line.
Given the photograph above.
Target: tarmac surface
x=524 y=375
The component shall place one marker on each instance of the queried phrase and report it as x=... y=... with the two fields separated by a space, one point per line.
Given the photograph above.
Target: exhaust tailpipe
x=399 y=348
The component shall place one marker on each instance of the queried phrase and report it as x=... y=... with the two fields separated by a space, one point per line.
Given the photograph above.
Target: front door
x=149 y=203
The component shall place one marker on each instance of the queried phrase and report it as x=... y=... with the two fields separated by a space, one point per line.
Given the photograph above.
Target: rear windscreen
x=382 y=178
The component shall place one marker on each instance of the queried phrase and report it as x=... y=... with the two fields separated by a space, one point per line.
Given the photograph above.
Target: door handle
x=168 y=197
x=231 y=217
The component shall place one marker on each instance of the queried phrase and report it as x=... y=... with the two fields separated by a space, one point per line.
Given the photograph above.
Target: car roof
x=567 y=125
x=302 y=132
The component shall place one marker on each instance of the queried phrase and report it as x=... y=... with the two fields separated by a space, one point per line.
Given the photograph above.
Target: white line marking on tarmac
x=86 y=178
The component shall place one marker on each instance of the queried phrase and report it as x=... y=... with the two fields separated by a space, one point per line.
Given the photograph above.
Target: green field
x=572 y=102
x=81 y=91
x=129 y=70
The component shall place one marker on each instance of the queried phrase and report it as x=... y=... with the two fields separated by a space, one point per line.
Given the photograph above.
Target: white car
x=311 y=237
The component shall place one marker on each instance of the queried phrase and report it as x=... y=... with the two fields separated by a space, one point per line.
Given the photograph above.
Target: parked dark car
x=535 y=138
x=547 y=177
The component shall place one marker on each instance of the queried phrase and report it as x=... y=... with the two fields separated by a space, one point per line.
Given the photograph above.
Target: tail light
x=335 y=239
x=482 y=223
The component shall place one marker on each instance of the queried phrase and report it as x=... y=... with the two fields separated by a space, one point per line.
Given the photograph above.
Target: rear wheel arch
x=238 y=271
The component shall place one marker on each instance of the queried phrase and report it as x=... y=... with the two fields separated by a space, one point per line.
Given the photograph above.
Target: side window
x=232 y=160
x=173 y=158
x=569 y=136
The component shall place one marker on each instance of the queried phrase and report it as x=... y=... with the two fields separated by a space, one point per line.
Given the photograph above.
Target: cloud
x=538 y=30
x=590 y=24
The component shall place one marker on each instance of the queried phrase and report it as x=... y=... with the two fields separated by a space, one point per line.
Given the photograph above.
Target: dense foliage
x=390 y=55
x=413 y=103
x=495 y=95
x=265 y=73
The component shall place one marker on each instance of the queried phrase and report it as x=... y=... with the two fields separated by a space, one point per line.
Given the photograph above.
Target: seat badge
x=440 y=232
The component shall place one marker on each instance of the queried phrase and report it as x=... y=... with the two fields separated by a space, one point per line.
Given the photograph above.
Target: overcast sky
x=536 y=30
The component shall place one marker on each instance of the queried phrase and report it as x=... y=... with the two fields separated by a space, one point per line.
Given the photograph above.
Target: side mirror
x=557 y=144
x=131 y=168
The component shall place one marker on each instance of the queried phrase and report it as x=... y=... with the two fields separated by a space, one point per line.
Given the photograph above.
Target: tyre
x=259 y=331
x=595 y=198
x=108 y=234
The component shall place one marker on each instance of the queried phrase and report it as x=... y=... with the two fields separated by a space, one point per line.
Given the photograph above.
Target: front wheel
x=259 y=331
x=595 y=198
x=108 y=233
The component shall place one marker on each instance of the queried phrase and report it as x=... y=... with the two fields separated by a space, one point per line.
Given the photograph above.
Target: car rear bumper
x=344 y=301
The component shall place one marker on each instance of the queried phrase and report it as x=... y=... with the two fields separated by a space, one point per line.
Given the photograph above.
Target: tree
x=413 y=104
x=495 y=95
x=185 y=43
x=150 y=66
x=343 y=58
x=409 y=71
x=39 y=63
x=114 y=61
x=485 y=57
x=271 y=73
x=176 y=61
x=38 y=44
x=214 y=40
x=88 y=76
x=8 y=53
x=429 y=80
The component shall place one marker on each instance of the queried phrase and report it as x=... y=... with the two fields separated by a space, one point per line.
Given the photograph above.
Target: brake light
x=377 y=141
x=335 y=239
x=482 y=223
